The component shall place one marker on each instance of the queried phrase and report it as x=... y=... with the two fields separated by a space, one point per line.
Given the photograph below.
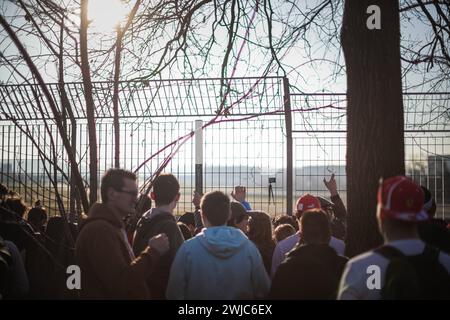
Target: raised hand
x=196 y=197
x=331 y=185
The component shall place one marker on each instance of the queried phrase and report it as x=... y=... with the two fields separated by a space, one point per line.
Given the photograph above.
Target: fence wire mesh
x=248 y=147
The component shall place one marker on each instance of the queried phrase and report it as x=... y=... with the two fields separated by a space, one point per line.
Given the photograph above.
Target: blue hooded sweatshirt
x=220 y=263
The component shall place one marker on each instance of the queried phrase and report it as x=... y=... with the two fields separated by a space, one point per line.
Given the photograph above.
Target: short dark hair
x=55 y=229
x=315 y=227
x=3 y=190
x=36 y=215
x=16 y=205
x=187 y=219
x=113 y=178
x=215 y=207
x=283 y=231
x=165 y=188
x=144 y=203
x=285 y=219
x=238 y=213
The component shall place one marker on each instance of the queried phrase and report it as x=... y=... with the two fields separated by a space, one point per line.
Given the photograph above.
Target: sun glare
x=106 y=14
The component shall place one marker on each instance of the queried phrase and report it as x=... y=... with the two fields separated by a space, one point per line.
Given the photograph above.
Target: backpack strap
x=390 y=252
x=431 y=253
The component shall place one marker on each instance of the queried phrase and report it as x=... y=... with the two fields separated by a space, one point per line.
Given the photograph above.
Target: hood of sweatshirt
x=223 y=241
x=99 y=211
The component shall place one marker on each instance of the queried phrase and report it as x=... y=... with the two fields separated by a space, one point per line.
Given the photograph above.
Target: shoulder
x=95 y=226
x=97 y=230
x=289 y=242
x=191 y=243
x=356 y=273
x=161 y=222
x=337 y=241
x=11 y=245
x=444 y=259
x=358 y=267
x=191 y=248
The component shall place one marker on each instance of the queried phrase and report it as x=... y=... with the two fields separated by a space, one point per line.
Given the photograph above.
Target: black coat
x=436 y=234
x=148 y=227
x=309 y=272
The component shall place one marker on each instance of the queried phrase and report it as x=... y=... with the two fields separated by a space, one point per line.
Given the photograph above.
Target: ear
x=205 y=221
x=152 y=196
x=177 y=198
x=111 y=193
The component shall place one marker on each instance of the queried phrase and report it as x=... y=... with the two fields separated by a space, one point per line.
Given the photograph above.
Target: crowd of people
x=133 y=246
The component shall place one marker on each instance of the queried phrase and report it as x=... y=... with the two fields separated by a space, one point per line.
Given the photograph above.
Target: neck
x=115 y=212
x=405 y=235
x=165 y=208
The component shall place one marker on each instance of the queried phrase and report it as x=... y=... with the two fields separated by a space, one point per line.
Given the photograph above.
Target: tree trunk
x=53 y=107
x=117 y=59
x=375 y=139
x=90 y=107
x=116 y=98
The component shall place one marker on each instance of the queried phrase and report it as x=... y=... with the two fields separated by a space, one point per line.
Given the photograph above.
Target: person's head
x=37 y=217
x=239 y=217
x=215 y=209
x=429 y=205
x=16 y=205
x=187 y=234
x=259 y=227
x=285 y=219
x=166 y=191
x=119 y=190
x=315 y=227
x=306 y=202
x=144 y=203
x=400 y=207
x=55 y=229
x=283 y=231
x=188 y=220
x=3 y=190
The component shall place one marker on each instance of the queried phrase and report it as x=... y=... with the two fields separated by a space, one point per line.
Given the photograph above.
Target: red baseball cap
x=400 y=198
x=307 y=202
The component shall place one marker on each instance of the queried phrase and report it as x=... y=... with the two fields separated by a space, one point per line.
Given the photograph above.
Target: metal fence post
x=289 y=150
x=73 y=193
x=199 y=156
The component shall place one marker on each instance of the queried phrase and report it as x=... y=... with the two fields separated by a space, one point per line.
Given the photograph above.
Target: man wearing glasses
x=109 y=269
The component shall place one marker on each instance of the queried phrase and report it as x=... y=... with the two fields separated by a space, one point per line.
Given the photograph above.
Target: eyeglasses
x=131 y=193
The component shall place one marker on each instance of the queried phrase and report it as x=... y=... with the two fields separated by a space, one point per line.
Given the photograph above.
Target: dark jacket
x=108 y=270
x=436 y=234
x=152 y=223
x=339 y=221
x=266 y=251
x=309 y=272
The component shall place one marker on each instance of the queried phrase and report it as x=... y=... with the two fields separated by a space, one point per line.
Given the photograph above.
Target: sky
x=307 y=76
